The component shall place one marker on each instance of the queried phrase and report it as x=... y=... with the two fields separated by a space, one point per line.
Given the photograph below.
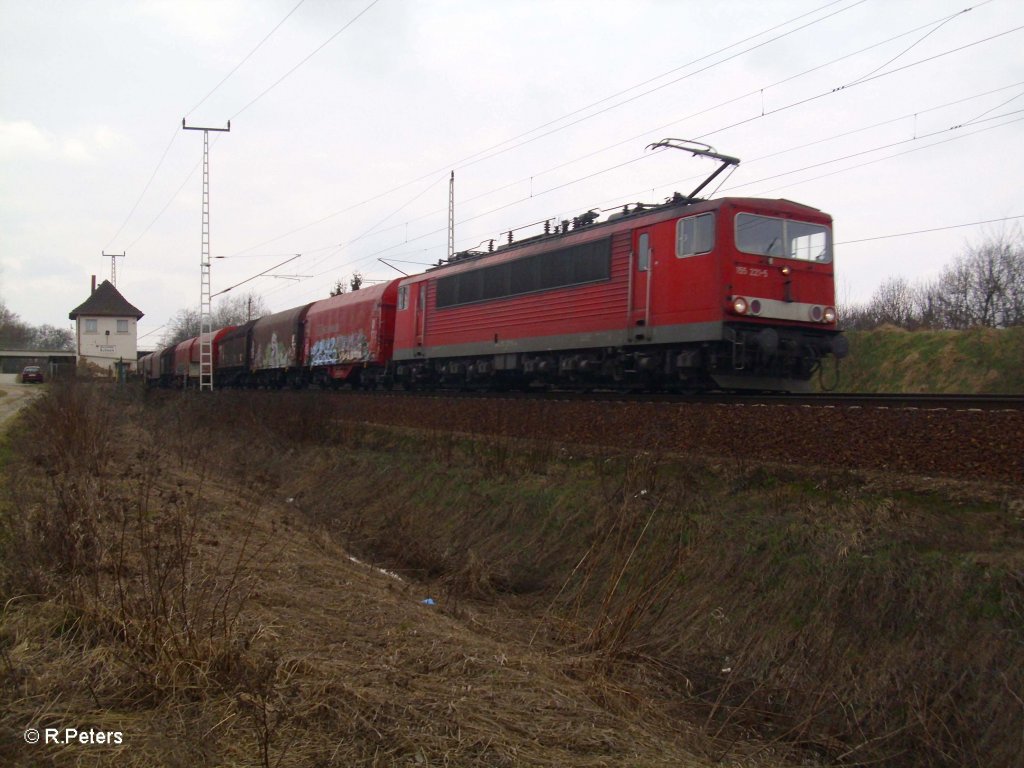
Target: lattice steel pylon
x=451 y=215
x=113 y=265
x=205 y=312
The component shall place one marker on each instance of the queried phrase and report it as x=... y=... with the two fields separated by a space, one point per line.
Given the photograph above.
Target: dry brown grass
x=194 y=590
x=211 y=624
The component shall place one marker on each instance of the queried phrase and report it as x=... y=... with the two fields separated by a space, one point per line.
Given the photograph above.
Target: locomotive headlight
x=785 y=270
x=739 y=305
x=830 y=314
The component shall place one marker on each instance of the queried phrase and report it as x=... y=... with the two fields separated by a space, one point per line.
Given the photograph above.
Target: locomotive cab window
x=403 y=297
x=695 y=234
x=768 y=236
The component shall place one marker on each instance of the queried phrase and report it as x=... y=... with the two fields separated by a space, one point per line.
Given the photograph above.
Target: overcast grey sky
x=347 y=116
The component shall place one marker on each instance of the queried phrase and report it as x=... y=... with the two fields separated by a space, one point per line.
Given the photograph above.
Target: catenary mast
x=205 y=314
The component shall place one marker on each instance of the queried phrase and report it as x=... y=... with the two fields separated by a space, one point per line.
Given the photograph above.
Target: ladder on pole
x=205 y=312
x=205 y=315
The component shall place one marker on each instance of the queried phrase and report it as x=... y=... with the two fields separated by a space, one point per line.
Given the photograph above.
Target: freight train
x=690 y=295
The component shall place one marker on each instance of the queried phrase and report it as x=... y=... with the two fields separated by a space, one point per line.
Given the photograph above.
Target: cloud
x=198 y=22
x=76 y=151
x=21 y=137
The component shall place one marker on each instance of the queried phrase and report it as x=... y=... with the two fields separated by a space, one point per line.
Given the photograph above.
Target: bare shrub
x=123 y=551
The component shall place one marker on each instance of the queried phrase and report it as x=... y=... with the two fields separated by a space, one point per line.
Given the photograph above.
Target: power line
x=469 y=160
x=876 y=149
x=248 y=279
x=746 y=162
x=174 y=135
x=207 y=96
x=167 y=204
x=245 y=59
x=789 y=106
x=920 y=40
x=144 y=189
x=323 y=45
x=933 y=229
x=772 y=112
x=536 y=194
x=463 y=164
x=882 y=159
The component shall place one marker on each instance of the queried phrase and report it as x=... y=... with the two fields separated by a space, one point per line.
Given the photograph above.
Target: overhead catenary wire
x=920 y=40
x=474 y=158
x=174 y=134
x=931 y=229
x=747 y=162
x=882 y=159
x=315 y=51
x=245 y=58
x=777 y=110
x=377 y=228
x=207 y=96
x=145 y=189
x=369 y=257
x=463 y=164
x=260 y=274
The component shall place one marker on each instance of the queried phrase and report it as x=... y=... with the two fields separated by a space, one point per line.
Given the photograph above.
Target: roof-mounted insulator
x=547 y=226
x=490 y=246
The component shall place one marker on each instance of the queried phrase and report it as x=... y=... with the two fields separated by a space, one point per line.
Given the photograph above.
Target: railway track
x=823 y=399
x=965 y=438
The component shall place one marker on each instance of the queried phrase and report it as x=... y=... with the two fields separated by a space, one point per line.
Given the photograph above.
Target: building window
x=90 y=326
x=122 y=326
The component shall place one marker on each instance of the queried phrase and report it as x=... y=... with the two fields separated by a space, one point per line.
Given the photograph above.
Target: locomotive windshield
x=768 y=236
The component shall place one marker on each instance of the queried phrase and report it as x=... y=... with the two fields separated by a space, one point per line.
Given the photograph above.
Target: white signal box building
x=106 y=329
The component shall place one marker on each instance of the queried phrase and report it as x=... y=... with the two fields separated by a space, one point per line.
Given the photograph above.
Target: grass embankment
x=593 y=607
x=981 y=361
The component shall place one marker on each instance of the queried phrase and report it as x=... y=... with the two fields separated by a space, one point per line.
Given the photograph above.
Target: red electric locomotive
x=734 y=293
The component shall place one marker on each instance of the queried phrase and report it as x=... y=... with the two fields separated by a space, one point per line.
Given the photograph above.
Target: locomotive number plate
x=751 y=271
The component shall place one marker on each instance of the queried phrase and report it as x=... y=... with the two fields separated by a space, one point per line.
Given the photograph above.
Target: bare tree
x=892 y=303
x=982 y=287
x=985 y=286
x=354 y=283
x=234 y=310
x=17 y=334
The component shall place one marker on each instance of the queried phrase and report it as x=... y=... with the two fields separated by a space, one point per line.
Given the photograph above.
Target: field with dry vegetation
x=181 y=571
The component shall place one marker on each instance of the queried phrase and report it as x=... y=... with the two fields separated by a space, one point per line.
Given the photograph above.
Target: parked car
x=31 y=373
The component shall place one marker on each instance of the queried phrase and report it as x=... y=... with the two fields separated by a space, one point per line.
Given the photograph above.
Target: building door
x=640 y=286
